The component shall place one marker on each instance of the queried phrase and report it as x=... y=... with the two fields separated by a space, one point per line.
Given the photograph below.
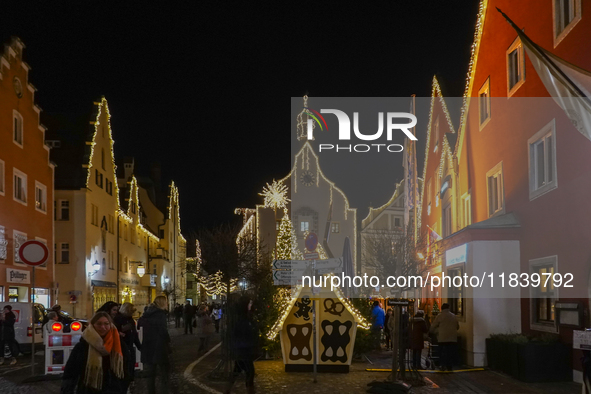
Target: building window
x=109 y=187
x=19 y=239
x=3 y=244
x=20 y=186
x=111 y=224
x=104 y=267
x=397 y=223
x=446 y=218
x=17 y=129
x=436 y=134
x=335 y=228
x=64 y=253
x=98 y=178
x=455 y=294
x=125 y=231
x=542 y=161
x=515 y=66
x=429 y=192
x=94 y=215
x=466 y=210
x=125 y=265
x=496 y=198
x=304 y=226
x=484 y=103
x=64 y=210
x=544 y=296
x=103 y=158
x=111 y=259
x=566 y=14
x=40 y=197
x=2 y=182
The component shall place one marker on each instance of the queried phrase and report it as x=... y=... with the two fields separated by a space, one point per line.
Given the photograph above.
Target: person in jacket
x=243 y=340
x=156 y=343
x=216 y=314
x=387 y=332
x=7 y=335
x=377 y=319
x=204 y=328
x=97 y=363
x=188 y=315
x=128 y=333
x=446 y=327
x=178 y=313
x=111 y=307
x=417 y=338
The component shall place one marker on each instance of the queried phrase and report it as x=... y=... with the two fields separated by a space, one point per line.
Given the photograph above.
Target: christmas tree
x=435 y=311
x=287 y=243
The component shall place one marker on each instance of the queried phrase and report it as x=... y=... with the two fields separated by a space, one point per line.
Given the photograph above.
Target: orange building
x=26 y=183
x=519 y=172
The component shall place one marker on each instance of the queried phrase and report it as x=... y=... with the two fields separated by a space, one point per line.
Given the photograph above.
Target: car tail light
x=56 y=326
x=29 y=331
x=76 y=326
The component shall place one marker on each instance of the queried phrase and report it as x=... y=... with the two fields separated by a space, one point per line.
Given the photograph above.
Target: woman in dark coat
x=7 y=336
x=128 y=333
x=97 y=362
x=417 y=339
x=156 y=343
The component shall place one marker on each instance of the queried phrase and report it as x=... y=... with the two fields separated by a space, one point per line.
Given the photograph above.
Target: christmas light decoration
x=302 y=122
x=287 y=242
x=275 y=195
x=174 y=201
x=214 y=284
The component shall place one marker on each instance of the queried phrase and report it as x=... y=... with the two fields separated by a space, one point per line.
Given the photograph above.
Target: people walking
x=243 y=337
x=111 y=307
x=128 y=332
x=97 y=363
x=417 y=338
x=156 y=344
x=7 y=335
x=188 y=315
x=387 y=332
x=216 y=314
x=446 y=327
x=178 y=313
x=204 y=328
x=377 y=318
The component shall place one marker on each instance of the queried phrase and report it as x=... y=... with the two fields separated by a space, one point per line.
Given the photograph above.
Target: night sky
x=205 y=88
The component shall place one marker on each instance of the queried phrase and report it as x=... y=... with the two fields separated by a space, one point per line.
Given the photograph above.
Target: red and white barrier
x=58 y=346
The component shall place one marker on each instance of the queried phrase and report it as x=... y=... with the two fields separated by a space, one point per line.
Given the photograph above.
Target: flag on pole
x=569 y=86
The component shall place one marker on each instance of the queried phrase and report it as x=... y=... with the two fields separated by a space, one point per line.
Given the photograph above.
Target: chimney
x=128 y=164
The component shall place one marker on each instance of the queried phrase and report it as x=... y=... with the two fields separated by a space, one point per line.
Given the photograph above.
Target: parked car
x=23 y=327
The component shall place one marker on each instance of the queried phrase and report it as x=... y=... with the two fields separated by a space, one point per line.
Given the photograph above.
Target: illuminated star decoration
x=275 y=195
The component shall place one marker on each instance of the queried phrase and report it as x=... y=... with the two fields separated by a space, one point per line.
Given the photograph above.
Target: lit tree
x=287 y=244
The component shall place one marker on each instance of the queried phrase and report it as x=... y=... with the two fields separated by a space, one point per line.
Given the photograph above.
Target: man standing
x=378 y=319
x=446 y=326
x=188 y=315
x=178 y=313
x=7 y=335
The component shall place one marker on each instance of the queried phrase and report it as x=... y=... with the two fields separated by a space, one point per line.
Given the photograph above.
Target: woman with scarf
x=97 y=363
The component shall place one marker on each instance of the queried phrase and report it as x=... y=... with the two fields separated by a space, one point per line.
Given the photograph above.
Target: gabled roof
x=374 y=213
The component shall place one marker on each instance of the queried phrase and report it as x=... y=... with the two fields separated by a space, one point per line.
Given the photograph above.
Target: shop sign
x=456 y=255
x=18 y=276
x=129 y=281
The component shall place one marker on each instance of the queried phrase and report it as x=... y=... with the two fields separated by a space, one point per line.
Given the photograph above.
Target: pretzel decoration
x=334 y=309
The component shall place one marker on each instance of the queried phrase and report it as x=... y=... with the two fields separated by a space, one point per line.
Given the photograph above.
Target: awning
x=102 y=283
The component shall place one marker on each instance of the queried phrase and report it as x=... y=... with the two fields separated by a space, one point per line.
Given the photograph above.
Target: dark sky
x=205 y=87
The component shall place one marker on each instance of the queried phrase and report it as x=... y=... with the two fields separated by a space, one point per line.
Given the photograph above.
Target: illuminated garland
x=301 y=124
x=287 y=242
x=214 y=285
x=174 y=200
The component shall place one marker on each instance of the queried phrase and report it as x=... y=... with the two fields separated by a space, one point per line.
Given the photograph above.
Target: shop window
x=515 y=66
x=484 y=103
x=496 y=197
x=542 y=161
x=456 y=294
x=544 y=296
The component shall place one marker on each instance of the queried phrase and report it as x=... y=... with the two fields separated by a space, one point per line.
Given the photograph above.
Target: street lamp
x=166 y=279
x=141 y=270
x=95 y=267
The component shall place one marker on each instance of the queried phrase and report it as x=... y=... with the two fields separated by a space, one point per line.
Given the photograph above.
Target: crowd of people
x=413 y=333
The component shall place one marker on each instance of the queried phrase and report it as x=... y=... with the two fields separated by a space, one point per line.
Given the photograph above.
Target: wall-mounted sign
x=456 y=255
x=17 y=276
x=129 y=281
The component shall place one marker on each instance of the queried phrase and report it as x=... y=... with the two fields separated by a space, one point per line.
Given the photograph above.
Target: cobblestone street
x=271 y=377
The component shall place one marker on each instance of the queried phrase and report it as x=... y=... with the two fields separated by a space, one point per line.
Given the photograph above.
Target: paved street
x=190 y=370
